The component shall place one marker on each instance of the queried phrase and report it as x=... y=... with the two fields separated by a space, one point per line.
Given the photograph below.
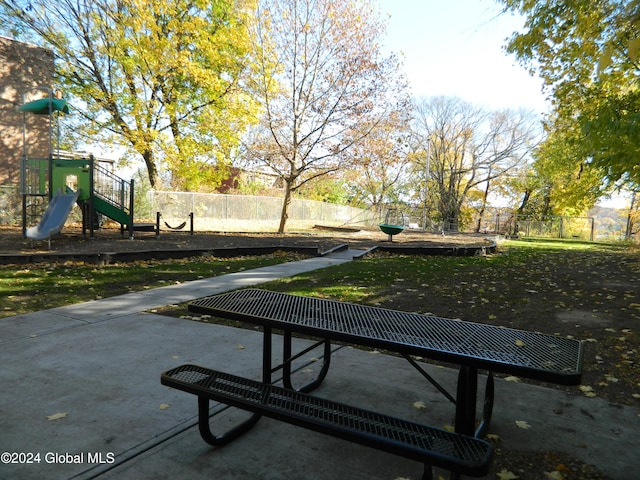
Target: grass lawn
x=28 y=288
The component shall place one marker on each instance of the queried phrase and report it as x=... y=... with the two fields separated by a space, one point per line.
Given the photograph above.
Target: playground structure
x=394 y=223
x=60 y=180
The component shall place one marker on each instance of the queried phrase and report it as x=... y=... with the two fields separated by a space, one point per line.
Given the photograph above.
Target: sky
x=455 y=48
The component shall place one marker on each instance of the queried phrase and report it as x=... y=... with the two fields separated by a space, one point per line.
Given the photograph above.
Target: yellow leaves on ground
x=164 y=406
x=555 y=475
x=57 y=416
x=520 y=343
x=419 y=405
x=512 y=378
x=523 y=425
x=505 y=474
x=587 y=391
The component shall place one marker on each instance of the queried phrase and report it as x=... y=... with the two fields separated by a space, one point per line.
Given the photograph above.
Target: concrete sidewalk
x=97 y=366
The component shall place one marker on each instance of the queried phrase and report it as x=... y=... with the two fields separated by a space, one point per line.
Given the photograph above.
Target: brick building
x=23 y=67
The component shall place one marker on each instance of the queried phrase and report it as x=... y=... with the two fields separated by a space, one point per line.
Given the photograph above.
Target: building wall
x=22 y=67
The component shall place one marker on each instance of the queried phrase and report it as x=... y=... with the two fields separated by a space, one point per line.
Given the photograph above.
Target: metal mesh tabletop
x=517 y=352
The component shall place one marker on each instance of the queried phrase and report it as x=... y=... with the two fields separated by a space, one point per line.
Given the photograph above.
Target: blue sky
x=454 y=47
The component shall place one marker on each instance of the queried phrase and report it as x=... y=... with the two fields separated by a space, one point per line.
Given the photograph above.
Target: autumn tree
x=324 y=86
x=164 y=78
x=588 y=54
x=383 y=161
x=468 y=149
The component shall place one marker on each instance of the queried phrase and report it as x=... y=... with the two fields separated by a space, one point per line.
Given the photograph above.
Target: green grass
x=372 y=280
x=28 y=288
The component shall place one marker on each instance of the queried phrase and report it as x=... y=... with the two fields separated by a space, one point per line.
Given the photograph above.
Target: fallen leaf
x=419 y=405
x=587 y=391
x=520 y=343
x=164 y=406
x=240 y=347
x=511 y=378
x=505 y=474
x=522 y=424
x=554 y=475
x=493 y=437
x=451 y=428
x=57 y=416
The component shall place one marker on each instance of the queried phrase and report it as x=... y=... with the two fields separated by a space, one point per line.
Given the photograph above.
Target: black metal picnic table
x=472 y=346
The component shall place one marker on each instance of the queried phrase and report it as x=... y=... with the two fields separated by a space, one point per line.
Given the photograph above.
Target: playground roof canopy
x=45 y=106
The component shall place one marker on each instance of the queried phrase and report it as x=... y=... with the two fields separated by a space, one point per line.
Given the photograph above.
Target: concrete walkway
x=81 y=398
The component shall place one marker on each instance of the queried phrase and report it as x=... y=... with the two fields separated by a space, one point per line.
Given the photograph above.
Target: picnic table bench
x=472 y=346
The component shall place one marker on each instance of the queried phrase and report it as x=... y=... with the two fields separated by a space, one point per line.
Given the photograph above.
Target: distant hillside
x=609 y=222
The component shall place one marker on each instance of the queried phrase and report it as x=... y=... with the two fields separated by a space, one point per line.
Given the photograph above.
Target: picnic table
x=473 y=347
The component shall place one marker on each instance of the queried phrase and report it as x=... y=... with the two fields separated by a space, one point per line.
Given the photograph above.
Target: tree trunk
x=284 y=216
x=152 y=171
x=483 y=207
x=629 y=231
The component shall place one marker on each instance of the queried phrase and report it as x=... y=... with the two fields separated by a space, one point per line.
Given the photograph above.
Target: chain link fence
x=218 y=212
x=244 y=213
x=580 y=228
x=232 y=213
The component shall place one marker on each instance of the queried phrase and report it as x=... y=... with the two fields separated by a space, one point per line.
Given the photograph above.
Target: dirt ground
x=72 y=240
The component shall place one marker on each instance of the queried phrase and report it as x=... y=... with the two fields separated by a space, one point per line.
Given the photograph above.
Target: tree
x=162 y=77
x=469 y=148
x=588 y=54
x=569 y=186
x=324 y=86
x=383 y=161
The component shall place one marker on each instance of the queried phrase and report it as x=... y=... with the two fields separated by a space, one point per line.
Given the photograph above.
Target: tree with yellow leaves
x=164 y=78
x=588 y=54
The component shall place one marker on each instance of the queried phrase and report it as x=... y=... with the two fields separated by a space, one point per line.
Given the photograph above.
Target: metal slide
x=54 y=217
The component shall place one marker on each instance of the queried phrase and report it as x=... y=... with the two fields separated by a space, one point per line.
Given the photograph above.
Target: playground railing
x=112 y=188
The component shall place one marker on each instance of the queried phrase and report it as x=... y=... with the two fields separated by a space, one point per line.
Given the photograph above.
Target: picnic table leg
x=487 y=409
x=235 y=432
x=466 y=400
x=229 y=435
x=288 y=359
